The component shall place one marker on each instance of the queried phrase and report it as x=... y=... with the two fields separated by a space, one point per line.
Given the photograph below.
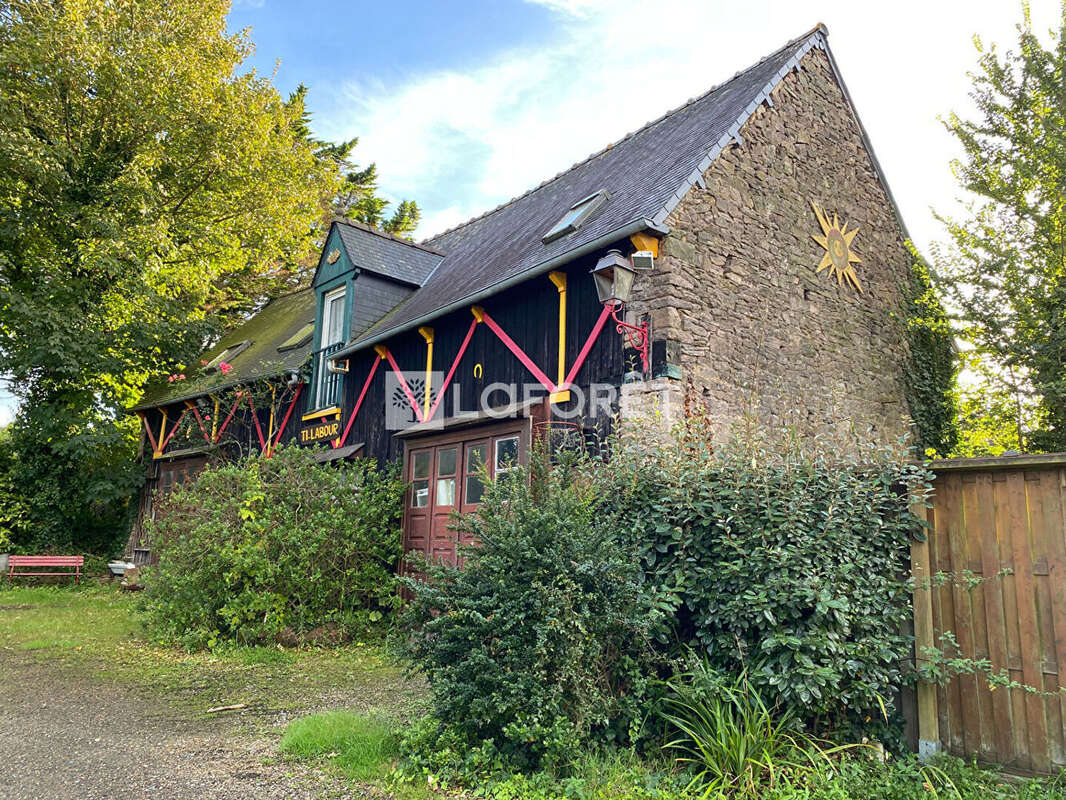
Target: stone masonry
x=761 y=333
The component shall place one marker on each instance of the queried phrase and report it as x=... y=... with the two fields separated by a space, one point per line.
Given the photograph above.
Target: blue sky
x=463 y=105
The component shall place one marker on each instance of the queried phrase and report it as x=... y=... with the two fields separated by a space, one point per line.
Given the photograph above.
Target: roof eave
x=170 y=401
x=642 y=224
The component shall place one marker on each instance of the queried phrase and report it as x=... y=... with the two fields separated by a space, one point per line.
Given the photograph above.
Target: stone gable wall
x=760 y=331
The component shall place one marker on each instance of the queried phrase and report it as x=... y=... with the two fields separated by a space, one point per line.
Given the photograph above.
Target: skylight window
x=227 y=355
x=578 y=214
x=301 y=336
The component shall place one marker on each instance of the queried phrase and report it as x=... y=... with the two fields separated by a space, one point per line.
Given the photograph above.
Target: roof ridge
x=819 y=28
x=351 y=223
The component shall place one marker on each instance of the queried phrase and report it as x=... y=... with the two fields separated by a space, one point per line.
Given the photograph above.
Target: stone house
x=743 y=249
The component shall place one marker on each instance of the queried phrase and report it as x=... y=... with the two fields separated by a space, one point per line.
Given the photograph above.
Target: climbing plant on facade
x=932 y=367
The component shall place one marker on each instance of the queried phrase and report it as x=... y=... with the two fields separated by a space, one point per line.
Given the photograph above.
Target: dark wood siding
x=529 y=315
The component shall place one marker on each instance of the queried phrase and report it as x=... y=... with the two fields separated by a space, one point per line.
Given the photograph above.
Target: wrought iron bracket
x=636 y=335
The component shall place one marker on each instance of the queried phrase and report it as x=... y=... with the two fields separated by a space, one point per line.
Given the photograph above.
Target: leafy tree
x=1007 y=259
x=12 y=506
x=993 y=415
x=930 y=377
x=150 y=191
x=354 y=197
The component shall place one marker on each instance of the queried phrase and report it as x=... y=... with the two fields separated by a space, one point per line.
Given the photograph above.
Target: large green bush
x=541 y=645
x=784 y=560
x=280 y=546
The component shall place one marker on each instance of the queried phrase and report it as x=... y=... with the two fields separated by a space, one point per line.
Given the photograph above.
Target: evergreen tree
x=357 y=196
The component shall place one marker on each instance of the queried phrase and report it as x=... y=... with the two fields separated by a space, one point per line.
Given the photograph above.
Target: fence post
x=928 y=721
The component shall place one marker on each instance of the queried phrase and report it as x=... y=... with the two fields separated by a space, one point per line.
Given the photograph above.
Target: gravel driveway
x=68 y=736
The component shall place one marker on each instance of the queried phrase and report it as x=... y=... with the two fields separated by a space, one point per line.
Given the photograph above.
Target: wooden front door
x=444 y=477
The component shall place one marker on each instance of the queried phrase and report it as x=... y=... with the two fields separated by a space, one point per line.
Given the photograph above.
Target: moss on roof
x=271 y=328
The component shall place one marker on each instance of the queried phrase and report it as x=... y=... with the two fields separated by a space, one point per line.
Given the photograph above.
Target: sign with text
x=320 y=431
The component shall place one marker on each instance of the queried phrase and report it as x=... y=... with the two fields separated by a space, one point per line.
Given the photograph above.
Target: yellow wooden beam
x=322 y=413
x=478 y=312
x=559 y=279
x=427 y=334
x=645 y=241
x=214 y=420
x=270 y=425
x=158 y=453
x=381 y=350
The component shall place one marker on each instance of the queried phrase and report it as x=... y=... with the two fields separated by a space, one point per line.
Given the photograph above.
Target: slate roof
x=645 y=174
x=278 y=321
x=386 y=254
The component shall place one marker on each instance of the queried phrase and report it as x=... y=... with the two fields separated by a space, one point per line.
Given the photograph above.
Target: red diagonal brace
x=358 y=403
x=258 y=427
x=451 y=372
x=232 y=411
x=148 y=430
x=284 y=422
x=199 y=420
x=384 y=351
x=518 y=351
x=604 y=315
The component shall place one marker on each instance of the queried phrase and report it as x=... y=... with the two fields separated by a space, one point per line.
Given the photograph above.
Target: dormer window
x=333 y=317
x=334 y=328
x=578 y=214
x=227 y=355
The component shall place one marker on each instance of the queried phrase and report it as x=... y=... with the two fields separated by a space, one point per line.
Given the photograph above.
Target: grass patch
x=96 y=632
x=362 y=746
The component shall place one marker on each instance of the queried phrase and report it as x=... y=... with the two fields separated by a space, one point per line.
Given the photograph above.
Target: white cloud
x=462 y=142
x=8 y=406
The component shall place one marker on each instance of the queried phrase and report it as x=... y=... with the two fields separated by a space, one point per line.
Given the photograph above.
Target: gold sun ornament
x=837 y=239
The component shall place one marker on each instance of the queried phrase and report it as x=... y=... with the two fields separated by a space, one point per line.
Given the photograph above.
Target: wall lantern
x=614 y=281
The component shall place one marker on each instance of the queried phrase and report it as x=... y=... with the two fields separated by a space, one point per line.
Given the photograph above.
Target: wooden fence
x=991 y=517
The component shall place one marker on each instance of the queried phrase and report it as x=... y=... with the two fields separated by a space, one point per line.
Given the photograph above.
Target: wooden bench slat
x=46 y=561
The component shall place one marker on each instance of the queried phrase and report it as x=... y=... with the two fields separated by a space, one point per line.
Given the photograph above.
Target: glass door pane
x=447 y=465
x=505 y=457
x=420 y=479
x=473 y=488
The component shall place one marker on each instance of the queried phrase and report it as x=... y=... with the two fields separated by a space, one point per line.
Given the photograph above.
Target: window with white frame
x=333 y=326
x=333 y=317
x=505 y=457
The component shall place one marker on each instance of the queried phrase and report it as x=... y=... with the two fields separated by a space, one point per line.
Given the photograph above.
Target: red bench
x=14 y=562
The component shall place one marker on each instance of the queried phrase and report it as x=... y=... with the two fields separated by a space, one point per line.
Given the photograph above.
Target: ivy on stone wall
x=930 y=374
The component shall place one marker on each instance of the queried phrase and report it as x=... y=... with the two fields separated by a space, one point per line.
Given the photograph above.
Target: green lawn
x=350 y=705
x=96 y=631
